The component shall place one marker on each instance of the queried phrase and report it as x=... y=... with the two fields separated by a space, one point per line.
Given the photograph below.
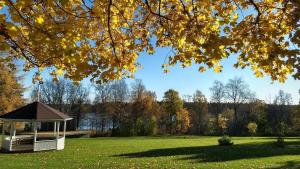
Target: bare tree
x=282 y=112
x=120 y=96
x=137 y=93
x=283 y=98
x=237 y=93
x=51 y=93
x=111 y=103
x=218 y=94
x=63 y=95
x=187 y=98
x=103 y=104
x=77 y=97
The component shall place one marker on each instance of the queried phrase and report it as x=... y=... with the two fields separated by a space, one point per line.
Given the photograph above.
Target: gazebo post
x=11 y=134
x=3 y=122
x=14 y=132
x=35 y=131
x=54 y=130
x=57 y=134
x=65 y=123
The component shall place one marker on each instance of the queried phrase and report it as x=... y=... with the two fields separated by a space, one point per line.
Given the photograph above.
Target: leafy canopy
x=103 y=38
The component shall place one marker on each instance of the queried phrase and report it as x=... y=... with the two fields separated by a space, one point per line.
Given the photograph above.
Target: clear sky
x=188 y=80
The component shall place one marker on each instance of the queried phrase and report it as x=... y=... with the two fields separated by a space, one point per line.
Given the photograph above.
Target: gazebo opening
x=21 y=128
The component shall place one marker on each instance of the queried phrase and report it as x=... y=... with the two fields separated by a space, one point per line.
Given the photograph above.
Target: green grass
x=161 y=152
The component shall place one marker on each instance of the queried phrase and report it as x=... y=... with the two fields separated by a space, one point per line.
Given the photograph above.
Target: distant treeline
x=122 y=111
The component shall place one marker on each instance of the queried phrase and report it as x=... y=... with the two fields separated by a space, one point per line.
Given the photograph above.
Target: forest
x=131 y=110
x=122 y=109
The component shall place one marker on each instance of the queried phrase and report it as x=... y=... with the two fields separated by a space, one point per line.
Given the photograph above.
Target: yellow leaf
x=13 y=28
x=222 y=47
x=201 y=40
x=258 y=74
x=41 y=68
x=218 y=68
x=235 y=16
x=59 y=72
x=202 y=69
x=39 y=20
x=166 y=71
x=181 y=42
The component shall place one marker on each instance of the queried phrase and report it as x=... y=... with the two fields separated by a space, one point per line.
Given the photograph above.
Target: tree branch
x=109 y=31
x=154 y=13
x=257 y=9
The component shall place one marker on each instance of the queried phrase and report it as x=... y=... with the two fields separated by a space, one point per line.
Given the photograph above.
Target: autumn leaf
x=105 y=43
x=40 y=20
x=59 y=72
x=218 y=68
x=202 y=69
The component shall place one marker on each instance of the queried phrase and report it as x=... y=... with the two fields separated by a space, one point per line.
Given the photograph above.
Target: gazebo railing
x=6 y=143
x=22 y=142
x=31 y=141
x=61 y=143
x=45 y=145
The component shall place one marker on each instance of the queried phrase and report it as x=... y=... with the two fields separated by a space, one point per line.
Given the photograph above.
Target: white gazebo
x=34 y=114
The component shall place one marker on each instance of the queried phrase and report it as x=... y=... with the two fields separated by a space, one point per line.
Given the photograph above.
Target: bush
x=280 y=142
x=225 y=141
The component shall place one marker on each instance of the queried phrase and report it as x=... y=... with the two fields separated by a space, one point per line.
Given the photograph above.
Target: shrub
x=280 y=142
x=225 y=141
x=252 y=127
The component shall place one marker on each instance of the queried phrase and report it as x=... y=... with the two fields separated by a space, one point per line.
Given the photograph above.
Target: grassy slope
x=160 y=152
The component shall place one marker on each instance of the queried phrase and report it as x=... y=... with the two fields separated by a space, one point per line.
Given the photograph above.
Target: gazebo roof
x=35 y=111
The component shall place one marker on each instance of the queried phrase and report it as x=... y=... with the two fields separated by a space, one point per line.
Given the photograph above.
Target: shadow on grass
x=221 y=153
x=288 y=165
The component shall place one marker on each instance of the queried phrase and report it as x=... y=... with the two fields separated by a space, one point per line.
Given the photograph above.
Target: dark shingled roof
x=36 y=111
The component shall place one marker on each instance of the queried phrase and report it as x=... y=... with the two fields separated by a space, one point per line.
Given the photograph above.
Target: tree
x=145 y=109
x=218 y=92
x=252 y=127
x=226 y=120
x=103 y=102
x=65 y=96
x=222 y=123
x=11 y=90
x=137 y=94
x=53 y=34
x=182 y=121
x=237 y=93
x=171 y=104
x=199 y=114
x=282 y=112
x=296 y=117
x=77 y=98
x=151 y=113
x=52 y=93
x=119 y=113
x=218 y=95
x=258 y=114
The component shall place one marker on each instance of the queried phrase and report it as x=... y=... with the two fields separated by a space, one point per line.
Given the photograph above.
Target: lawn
x=161 y=152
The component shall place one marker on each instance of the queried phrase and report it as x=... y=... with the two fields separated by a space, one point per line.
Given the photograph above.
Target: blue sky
x=188 y=80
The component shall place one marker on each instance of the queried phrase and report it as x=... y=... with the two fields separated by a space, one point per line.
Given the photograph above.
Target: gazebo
x=34 y=115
